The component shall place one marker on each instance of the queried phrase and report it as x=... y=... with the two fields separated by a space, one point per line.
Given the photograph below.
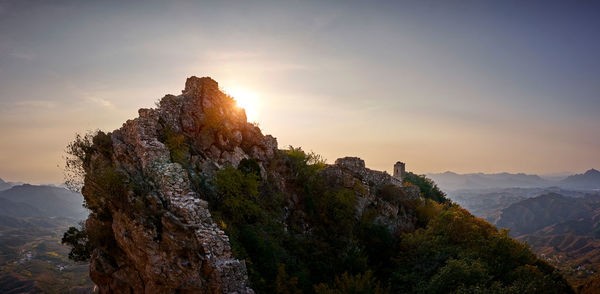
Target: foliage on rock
x=429 y=189
x=78 y=240
x=189 y=197
x=332 y=248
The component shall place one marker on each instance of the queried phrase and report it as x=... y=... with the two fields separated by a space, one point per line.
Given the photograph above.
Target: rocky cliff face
x=150 y=223
x=184 y=249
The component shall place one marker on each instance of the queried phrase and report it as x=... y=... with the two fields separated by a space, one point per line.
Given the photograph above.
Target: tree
x=81 y=248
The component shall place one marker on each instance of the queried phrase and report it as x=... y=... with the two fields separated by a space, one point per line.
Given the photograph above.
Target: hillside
x=486 y=204
x=5 y=185
x=533 y=214
x=489 y=203
x=564 y=230
x=32 y=258
x=191 y=198
x=17 y=209
x=559 y=225
x=44 y=201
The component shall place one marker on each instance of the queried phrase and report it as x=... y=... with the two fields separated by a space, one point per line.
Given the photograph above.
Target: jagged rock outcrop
x=189 y=252
x=152 y=220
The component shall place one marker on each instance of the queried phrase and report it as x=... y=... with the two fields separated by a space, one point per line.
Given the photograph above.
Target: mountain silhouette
x=48 y=201
x=588 y=180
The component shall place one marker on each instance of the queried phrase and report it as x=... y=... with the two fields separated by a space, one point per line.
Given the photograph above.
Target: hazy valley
x=32 y=258
x=559 y=218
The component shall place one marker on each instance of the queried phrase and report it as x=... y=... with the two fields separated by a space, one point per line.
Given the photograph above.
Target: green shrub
x=249 y=166
x=237 y=195
x=304 y=164
x=79 y=156
x=428 y=188
x=177 y=145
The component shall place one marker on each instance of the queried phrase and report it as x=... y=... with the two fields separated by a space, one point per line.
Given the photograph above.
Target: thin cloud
x=101 y=102
x=90 y=98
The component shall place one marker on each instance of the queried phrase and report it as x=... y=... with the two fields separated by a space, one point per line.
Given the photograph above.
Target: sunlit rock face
x=154 y=229
x=182 y=249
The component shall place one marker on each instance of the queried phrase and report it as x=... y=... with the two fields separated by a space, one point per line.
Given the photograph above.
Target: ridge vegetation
x=298 y=224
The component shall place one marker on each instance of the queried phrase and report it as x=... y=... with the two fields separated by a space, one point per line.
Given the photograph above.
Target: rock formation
x=351 y=172
x=150 y=220
x=186 y=251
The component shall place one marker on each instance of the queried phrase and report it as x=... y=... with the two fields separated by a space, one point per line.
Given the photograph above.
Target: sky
x=466 y=86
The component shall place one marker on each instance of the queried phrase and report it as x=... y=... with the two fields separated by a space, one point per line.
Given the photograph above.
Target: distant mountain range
x=7 y=185
x=4 y=185
x=41 y=201
x=588 y=180
x=489 y=203
x=449 y=181
x=562 y=226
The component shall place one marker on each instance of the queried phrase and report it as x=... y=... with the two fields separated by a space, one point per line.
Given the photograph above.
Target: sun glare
x=246 y=100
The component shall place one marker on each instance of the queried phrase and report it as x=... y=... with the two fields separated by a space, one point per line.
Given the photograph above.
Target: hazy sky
x=465 y=86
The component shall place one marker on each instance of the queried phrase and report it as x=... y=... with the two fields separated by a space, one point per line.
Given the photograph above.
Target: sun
x=247 y=100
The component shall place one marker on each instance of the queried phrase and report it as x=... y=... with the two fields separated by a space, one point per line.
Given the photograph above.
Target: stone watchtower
x=399 y=171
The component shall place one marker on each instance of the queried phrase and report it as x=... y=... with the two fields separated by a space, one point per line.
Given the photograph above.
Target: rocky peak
x=147 y=185
x=180 y=247
x=198 y=87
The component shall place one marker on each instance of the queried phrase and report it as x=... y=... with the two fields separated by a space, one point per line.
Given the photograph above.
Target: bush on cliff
x=428 y=188
x=321 y=246
x=236 y=196
x=89 y=161
x=309 y=238
x=77 y=238
x=177 y=145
